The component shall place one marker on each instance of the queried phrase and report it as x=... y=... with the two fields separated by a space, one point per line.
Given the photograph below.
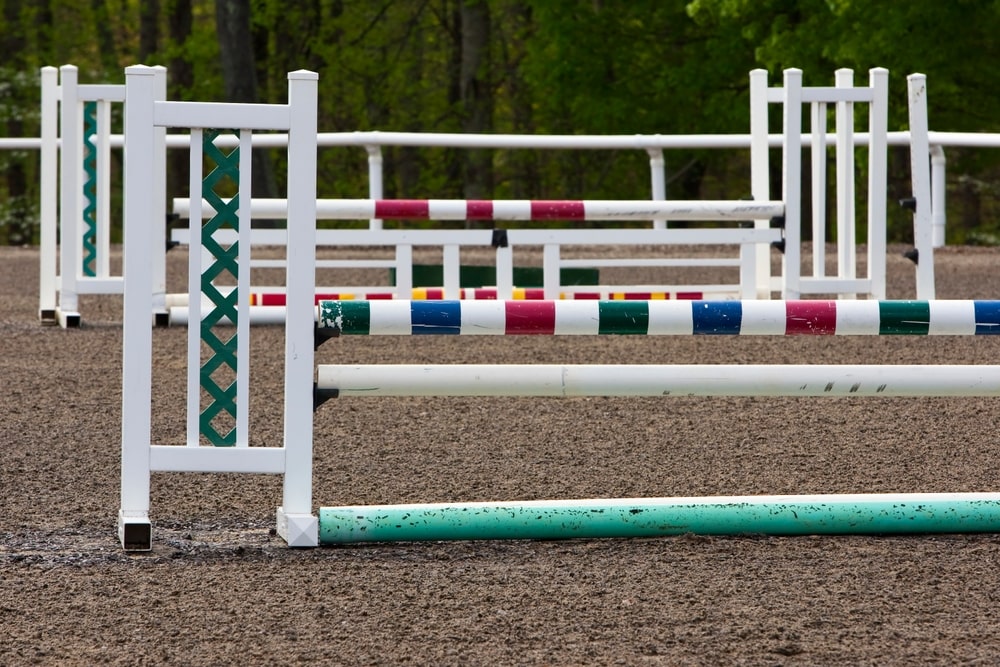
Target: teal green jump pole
x=846 y=514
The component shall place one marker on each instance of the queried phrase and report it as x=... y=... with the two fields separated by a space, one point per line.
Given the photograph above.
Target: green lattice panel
x=89 y=258
x=222 y=363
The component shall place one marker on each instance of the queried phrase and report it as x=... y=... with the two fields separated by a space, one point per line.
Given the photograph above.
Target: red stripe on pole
x=271 y=299
x=380 y=296
x=557 y=210
x=485 y=293
x=690 y=296
x=534 y=293
x=478 y=210
x=402 y=208
x=530 y=317
x=811 y=318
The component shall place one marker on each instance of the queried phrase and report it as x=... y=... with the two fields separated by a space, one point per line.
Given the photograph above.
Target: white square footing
x=298 y=530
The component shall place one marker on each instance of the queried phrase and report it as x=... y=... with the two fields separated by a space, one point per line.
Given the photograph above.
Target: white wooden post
x=846 y=249
x=817 y=127
x=404 y=271
x=69 y=198
x=760 y=173
x=923 y=232
x=375 y=187
x=878 y=120
x=196 y=262
x=792 y=183
x=102 y=148
x=134 y=529
x=938 y=186
x=551 y=266
x=49 y=161
x=451 y=267
x=296 y=522
x=657 y=174
x=159 y=204
x=505 y=272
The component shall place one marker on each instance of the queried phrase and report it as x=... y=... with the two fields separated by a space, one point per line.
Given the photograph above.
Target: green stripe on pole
x=865 y=514
x=349 y=317
x=904 y=317
x=623 y=317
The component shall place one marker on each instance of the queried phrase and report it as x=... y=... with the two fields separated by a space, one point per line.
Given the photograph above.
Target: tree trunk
x=45 y=43
x=239 y=73
x=524 y=174
x=17 y=223
x=180 y=79
x=475 y=90
x=149 y=29
x=105 y=37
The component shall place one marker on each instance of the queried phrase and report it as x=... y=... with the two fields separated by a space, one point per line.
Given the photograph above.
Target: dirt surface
x=220 y=588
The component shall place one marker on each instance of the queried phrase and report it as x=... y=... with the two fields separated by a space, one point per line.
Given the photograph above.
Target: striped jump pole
x=833 y=514
x=589 y=293
x=520 y=209
x=659 y=317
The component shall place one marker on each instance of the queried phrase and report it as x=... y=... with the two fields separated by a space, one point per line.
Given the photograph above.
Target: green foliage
x=553 y=67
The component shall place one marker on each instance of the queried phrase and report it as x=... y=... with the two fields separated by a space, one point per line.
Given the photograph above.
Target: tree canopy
x=526 y=67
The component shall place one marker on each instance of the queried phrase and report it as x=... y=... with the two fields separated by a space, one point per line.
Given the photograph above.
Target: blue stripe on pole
x=717 y=317
x=436 y=317
x=987 y=317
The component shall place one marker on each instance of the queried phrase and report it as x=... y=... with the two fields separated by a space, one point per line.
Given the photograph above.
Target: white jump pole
x=555 y=380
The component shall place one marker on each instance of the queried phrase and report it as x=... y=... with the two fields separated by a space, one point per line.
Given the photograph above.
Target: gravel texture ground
x=220 y=588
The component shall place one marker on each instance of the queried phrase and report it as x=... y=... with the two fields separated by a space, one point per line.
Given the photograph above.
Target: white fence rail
x=373 y=143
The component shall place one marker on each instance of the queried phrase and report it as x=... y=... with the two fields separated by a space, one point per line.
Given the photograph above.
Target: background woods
x=519 y=66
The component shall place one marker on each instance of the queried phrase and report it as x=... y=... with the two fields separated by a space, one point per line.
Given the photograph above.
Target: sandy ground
x=220 y=588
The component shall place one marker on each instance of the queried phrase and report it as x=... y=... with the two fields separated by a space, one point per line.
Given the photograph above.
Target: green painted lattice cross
x=89 y=189
x=221 y=365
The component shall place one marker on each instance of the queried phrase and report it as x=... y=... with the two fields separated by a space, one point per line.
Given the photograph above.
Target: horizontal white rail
x=543 y=142
x=329 y=263
x=484 y=237
x=651 y=262
x=658 y=380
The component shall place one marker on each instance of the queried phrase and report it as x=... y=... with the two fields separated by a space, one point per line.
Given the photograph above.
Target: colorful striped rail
x=846 y=514
x=279 y=298
x=654 y=317
x=268 y=307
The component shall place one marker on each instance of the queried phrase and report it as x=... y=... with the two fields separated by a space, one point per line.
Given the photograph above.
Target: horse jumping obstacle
x=504 y=242
x=829 y=514
x=76 y=167
x=209 y=448
x=84 y=214
x=755 y=281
